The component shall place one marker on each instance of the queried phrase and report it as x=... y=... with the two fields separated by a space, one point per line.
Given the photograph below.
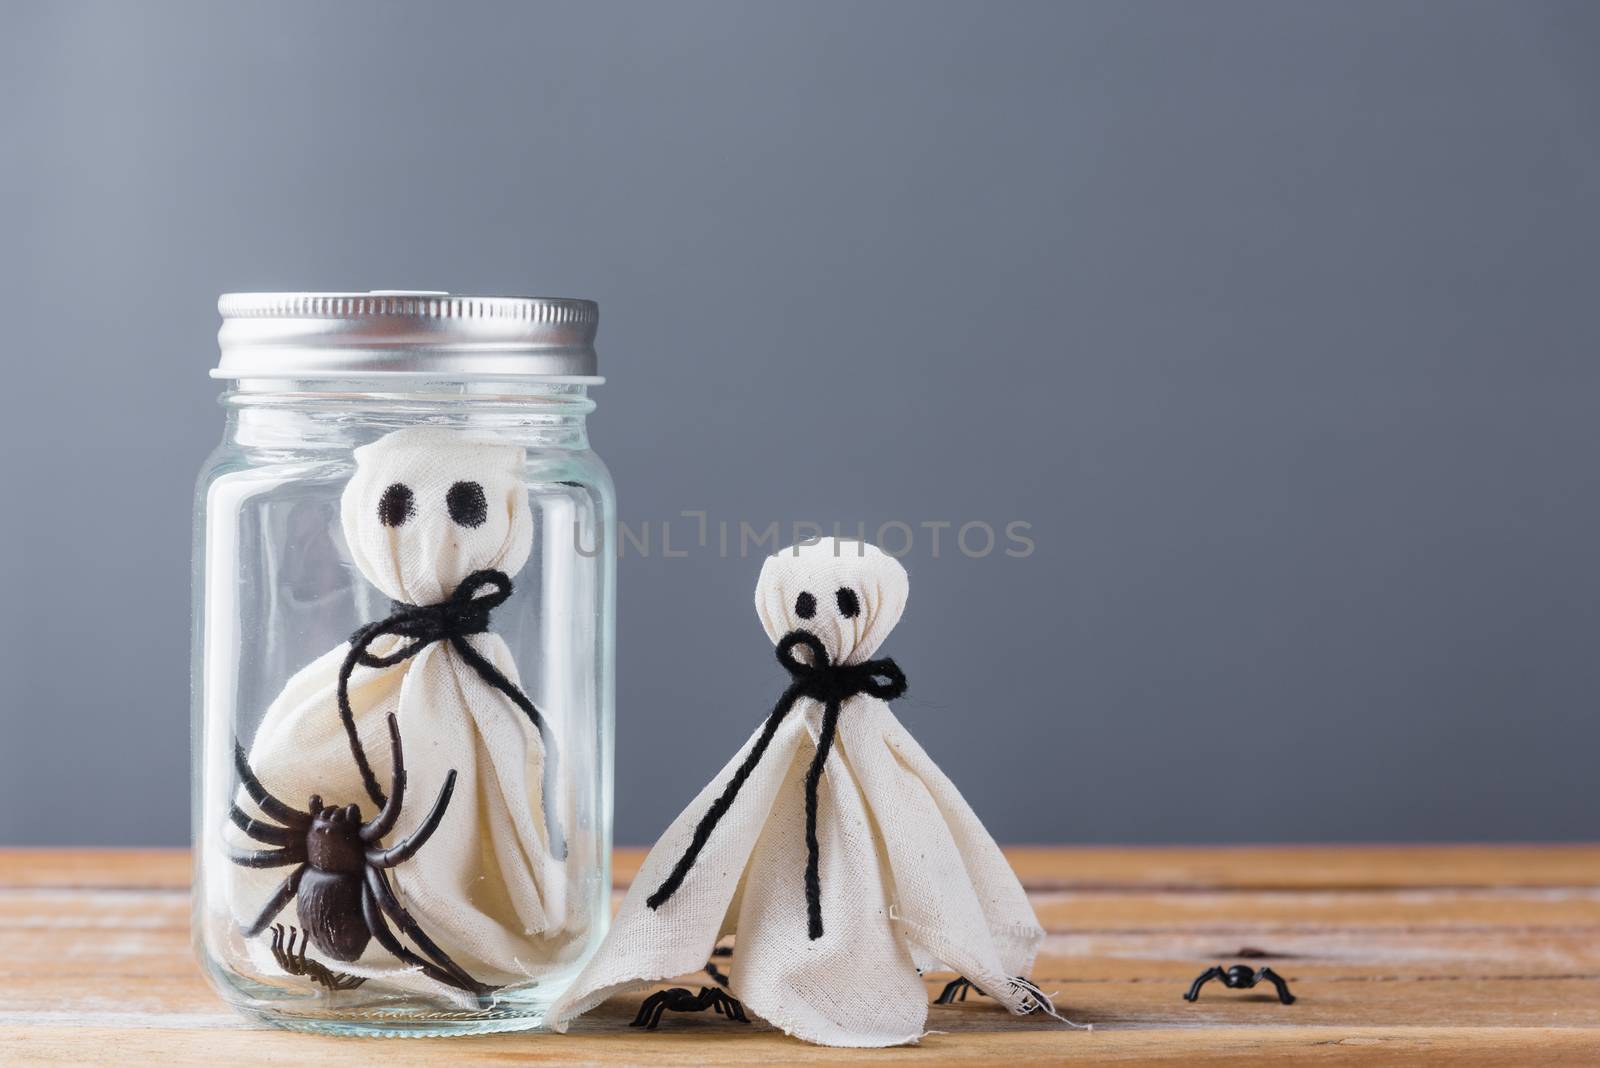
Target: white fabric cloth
x=911 y=881
x=486 y=885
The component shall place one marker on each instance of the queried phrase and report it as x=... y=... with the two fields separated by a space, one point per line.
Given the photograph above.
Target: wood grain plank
x=1478 y=954
x=1040 y=868
x=1478 y=1046
x=1542 y=907
x=110 y=868
x=1136 y=1003
x=1058 y=911
x=1382 y=867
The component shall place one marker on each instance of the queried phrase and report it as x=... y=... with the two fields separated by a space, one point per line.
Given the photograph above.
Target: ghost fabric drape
x=821 y=681
x=464 y=613
x=907 y=877
x=439 y=521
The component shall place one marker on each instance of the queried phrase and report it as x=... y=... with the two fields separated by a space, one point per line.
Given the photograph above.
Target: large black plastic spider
x=343 y=894
x=678 y=999
x=1240 y=977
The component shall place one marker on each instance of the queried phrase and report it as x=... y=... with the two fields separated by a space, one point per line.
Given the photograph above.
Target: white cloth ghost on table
x=430 y=515
x=907 y=879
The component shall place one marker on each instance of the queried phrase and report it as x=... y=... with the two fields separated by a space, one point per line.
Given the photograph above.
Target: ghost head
x=428 y=506
x=847 y=593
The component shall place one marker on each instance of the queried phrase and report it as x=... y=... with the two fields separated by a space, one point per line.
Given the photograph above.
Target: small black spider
x=1240 y=977
x=956 y=990
x=339 y=882
x=678 y=999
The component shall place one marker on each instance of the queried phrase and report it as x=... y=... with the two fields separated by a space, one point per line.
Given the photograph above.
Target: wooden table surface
x=1399 y=955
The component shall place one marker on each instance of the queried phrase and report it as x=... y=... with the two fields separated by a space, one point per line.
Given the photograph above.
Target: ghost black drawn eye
x=849 y=607
x=467 y=504
x=805 y=606
x=396 y=505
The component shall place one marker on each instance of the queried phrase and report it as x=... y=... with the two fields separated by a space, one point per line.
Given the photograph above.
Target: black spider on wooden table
x=343 y=894
x=1240 y=977
x=678 y=999
x=956 y=990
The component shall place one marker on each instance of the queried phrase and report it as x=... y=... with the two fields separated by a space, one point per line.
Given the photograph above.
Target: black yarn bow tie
x=830 y=685
x=465 y=612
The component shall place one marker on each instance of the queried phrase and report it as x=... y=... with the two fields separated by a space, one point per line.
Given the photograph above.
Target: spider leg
x=380 y=930
x=290 y=957
x=258 y=793
x=388 y=858
x=260 y=830
x=280 y=897
x=322 y=975
x=647 y=1007
x=267 y=858
x=383 y=899
x=676 y=999
x=278 y=952
x=955 y=990
x=1201 y=980
x=725 y=1005
x=341 y=981
x=384 y=821
x=294 y=950
x=1277 y=981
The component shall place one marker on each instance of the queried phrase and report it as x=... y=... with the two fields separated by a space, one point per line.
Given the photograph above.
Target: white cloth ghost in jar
x=831 y=846
x=433 y=517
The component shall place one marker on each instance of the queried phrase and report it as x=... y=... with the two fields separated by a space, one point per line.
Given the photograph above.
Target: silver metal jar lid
x=392 y=333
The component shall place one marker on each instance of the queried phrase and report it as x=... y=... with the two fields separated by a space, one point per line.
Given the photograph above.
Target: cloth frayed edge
x=1042 y=1002
x=560 y=1015
x=1038 y=999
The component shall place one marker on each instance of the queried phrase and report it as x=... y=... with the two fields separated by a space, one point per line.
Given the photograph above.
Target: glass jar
x=402 y=691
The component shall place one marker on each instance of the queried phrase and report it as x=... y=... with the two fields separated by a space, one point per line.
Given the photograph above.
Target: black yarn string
x=719 y=807
x=830 y=721
x=830 y=684
x=461 y=614
x=493 y=676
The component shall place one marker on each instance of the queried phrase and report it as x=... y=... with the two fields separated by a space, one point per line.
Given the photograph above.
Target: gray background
x=1277 y=321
